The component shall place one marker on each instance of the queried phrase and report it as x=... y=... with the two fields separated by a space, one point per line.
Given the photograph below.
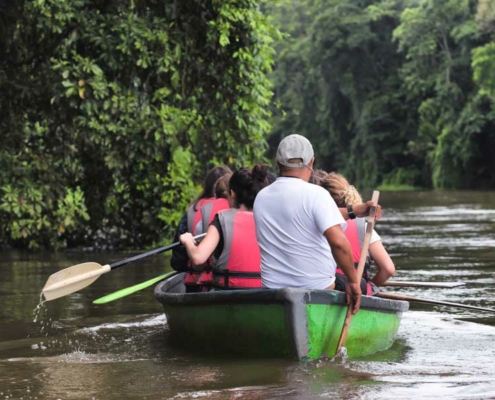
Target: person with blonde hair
x=346 y=195
x=317 y=176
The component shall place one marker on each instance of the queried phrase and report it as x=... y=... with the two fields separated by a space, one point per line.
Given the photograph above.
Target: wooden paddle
x=423 y=284
x=394 y=296
x=77 y=277
x=362 y=261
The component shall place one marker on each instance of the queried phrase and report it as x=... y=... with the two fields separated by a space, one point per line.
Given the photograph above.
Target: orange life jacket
x=239 y=265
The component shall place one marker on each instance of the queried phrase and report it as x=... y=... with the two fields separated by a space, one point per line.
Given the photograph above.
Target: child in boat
x=345 y=195
x=208 y=212
x=205 y=197
x=231 y=237
x=189 y=222
x=221 y=202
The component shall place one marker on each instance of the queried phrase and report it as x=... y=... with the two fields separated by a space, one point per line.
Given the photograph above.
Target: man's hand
x=363 y=210
x=353 y=296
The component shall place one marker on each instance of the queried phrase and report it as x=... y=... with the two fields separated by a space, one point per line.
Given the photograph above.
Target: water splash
x=151 y=322
x=47 y=327
x=39 y=308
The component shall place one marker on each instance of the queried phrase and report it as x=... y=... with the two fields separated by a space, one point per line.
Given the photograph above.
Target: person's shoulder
x=316 y=190
x=264 y=199
x=318 y=197
x=265 y=191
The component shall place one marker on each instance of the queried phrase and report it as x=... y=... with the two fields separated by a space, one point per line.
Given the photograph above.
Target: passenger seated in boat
x=221 y=202
x=231 y=237
x=271 y=177
x=299 y=227
x=317 y=176
x=344 y=195
x=189 y=223
x=208 y=212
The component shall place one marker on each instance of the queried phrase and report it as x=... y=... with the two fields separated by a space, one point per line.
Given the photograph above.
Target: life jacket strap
x=227 y=273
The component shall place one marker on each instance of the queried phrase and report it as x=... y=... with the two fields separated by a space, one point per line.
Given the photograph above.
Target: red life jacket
x=195 y=278
x=239 y=265
x=211 y=209
x=355 y=232
x=194 y=214
x=208 y=212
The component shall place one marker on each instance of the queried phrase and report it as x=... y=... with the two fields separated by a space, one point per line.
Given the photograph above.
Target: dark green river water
x=72 y=349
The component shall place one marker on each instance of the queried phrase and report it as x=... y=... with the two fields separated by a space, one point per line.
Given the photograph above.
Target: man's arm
x=341 y=250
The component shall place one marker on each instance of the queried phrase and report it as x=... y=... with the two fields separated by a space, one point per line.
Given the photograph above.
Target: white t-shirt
x=291 y=216
x=375 y=237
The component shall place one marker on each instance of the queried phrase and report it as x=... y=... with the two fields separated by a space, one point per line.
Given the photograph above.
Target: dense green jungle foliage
x=112 y=111
x=391 y=92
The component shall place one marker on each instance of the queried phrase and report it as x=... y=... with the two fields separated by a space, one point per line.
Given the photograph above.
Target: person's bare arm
x=341 y=250
x=384 y=263
x=362 y=210
x=199 y=254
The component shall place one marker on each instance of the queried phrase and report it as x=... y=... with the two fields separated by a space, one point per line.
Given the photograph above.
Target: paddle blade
x=130 y=290
x=72 y=279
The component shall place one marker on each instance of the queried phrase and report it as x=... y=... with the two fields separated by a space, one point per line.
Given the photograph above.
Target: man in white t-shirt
x=300 y=229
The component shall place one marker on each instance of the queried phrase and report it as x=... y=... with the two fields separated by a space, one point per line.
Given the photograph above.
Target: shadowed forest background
x=111 y=111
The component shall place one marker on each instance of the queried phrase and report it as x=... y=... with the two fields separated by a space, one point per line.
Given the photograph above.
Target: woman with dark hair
x=221 y=202
x=206 y=196
x=231 y=237
x=208 y=212
x=189 y=222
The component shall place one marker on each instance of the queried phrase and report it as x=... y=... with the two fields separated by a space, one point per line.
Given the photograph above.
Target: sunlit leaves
x=484 y=68
x=438 y=38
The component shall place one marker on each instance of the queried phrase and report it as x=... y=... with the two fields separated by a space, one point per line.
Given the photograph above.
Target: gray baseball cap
x=295 y=146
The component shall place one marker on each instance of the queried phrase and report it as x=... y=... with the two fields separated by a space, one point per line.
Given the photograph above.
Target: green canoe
x=299 y=323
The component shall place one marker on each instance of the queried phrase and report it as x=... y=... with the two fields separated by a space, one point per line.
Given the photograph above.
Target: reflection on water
x=72 y=349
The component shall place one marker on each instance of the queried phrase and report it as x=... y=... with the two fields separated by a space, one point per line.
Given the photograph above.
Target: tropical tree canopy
x=392 y=92
x=112 y=111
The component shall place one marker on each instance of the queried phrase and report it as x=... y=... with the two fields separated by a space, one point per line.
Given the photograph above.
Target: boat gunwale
x=271 y=296
x=297 y=305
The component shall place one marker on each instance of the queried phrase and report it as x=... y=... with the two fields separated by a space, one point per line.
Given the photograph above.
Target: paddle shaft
x=121 y=263
x=132 y=289
x=394 y=296
x=362 y=261
x=423 y=284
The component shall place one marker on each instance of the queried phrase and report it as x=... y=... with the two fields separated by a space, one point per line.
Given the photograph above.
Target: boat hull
x=297 y=323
